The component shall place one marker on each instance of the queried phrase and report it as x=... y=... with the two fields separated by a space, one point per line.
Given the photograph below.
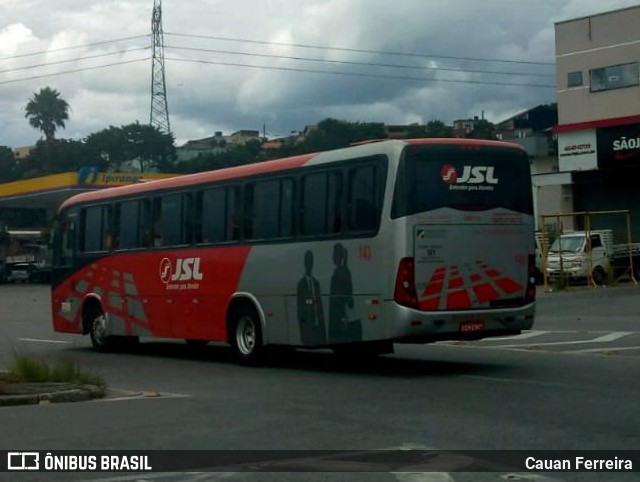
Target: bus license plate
x=471 y=326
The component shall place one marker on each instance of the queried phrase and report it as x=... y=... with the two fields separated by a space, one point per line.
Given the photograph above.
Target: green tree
x=334 y=134
x=47 y=111
x=107 y=148
x=437 y=128
x=8 y=165
x=483 y=129
x=148 y=145
x=68 y=155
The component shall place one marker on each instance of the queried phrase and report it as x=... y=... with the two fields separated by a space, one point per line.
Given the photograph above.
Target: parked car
x=21 y=272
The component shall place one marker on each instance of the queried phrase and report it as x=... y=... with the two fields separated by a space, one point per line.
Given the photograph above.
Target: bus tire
x=100 y=339
x=245 y=335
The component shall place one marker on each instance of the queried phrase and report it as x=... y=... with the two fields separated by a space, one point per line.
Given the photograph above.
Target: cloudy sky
x=279 y=65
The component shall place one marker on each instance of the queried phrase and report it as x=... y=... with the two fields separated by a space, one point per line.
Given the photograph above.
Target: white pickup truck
x=577 y=256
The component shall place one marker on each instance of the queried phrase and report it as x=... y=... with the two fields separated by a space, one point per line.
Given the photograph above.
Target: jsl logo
x=470 y=175
x=186 y=269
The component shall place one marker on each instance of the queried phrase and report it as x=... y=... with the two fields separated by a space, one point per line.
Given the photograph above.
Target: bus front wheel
x=246 y=336
x=102 y=341
x=100 y=338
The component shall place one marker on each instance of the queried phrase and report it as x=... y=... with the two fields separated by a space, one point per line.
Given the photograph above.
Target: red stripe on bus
x=485 y=292
x=458 y=300
x=455 y=283
x=176 y=309
x=508 y=285
x=429 y=304
x=432 y=289
x=192 y=179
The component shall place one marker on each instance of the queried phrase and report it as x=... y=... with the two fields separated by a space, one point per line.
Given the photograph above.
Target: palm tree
x=47 y=111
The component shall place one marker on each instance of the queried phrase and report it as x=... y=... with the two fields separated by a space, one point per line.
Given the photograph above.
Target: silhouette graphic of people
x=341 y=328
x=310 y=312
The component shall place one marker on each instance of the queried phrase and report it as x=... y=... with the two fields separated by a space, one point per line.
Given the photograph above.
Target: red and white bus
x=399 y=241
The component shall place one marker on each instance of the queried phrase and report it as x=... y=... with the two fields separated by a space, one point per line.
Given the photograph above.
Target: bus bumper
x=415 y=326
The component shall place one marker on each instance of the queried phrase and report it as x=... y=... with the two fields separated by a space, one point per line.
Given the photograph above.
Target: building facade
x=533 y=130
x=598 y=131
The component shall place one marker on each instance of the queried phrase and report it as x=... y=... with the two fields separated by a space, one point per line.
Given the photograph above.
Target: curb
x=76 y=394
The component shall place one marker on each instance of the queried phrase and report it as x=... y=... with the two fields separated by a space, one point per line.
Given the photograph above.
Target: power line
x=41 y=52
x=360 y=74
x=46 y=64
x=345 y=49
x=73 y=71
x=367 y=64
x=290 y=69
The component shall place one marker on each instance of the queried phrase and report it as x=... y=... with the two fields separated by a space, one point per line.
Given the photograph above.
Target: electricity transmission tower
x=159 y=109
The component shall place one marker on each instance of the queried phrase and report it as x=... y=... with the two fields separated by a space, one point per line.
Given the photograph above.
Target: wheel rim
x=246 y=335
x=99 y=329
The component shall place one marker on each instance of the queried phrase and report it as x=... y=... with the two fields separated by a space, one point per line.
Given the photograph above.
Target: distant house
x=273 y=144
x=209 y=145
x=21 y=152
x=524 y=124
x=244 y=136
x=464 y=127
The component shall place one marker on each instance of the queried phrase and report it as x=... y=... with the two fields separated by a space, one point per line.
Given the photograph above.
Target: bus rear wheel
x=245 y=336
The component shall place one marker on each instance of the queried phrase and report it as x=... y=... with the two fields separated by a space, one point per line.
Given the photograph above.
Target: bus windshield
x=483 y=178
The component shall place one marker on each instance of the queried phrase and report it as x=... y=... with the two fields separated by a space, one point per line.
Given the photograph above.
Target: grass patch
x=34 y=369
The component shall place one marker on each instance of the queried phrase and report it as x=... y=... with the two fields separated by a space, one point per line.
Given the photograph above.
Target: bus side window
x=248 y=211
x=130 y=227
x=321 y=203
x=67 y=240
x=234 y=213
x=96 y=228
x=362 y=202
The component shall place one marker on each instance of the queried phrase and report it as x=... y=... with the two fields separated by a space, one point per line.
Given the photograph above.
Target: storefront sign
x=619 y=146
x=577 y=151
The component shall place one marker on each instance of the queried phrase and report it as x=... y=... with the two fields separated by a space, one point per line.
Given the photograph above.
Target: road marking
x=604 y=349
x=35 y=340
x=515 y=380
x=616 y=335
x=140 y=396
x=523 y=336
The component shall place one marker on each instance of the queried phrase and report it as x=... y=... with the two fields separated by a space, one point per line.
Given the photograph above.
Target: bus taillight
x=405 y=292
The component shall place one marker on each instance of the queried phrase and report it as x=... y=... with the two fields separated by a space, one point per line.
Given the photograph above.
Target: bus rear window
x=468 y=179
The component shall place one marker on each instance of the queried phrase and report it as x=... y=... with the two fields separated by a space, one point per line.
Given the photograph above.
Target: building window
x=614 y=77
x=574 y=79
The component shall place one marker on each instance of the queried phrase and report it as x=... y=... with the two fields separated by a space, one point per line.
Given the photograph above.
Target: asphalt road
x=571 y=383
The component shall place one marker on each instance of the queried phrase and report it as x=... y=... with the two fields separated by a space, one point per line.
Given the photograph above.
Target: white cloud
x=205 y=96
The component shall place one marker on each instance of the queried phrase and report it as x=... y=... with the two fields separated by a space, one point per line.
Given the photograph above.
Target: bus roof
x=275 y=165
